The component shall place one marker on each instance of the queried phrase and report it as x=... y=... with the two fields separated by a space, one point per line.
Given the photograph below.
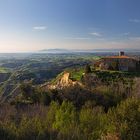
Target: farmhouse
x=120 y=63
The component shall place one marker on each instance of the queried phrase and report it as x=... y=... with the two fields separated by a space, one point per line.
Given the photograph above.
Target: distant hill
x=59 y=50
x=65 y=51
x=55 y=51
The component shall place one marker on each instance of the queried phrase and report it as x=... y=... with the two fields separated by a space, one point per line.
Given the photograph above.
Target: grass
x=3 y=70
x=117 y=73
x=54 y=81
x=77 y=74
x=104 y=75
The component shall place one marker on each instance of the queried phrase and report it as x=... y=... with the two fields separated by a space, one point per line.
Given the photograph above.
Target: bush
x=65 y=119
x=126 y=119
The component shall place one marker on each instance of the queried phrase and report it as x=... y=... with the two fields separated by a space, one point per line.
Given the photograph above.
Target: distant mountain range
x=64 y=51
x=57 y=50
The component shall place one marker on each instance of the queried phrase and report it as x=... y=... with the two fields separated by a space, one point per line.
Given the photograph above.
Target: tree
x=93 y=122
x=126 y=119
x=87 y=69
x=27 y=90
x=65 y=120
x=45 y=99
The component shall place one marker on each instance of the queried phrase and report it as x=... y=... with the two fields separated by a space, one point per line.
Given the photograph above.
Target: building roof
x=119 y=57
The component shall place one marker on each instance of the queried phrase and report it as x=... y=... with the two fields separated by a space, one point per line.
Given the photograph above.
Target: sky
x=31 y=25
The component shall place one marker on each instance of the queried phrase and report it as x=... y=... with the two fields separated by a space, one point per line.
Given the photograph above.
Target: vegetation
x=104 y=112
x=3 y=70
x=65 y=122
x=36 y=68
x=103 y=105
x=87 y=69
x=76 y=74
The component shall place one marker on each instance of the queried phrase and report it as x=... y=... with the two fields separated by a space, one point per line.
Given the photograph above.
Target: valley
x=48 y=95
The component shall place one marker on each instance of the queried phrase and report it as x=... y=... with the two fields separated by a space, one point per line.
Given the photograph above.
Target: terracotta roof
x=120 y=57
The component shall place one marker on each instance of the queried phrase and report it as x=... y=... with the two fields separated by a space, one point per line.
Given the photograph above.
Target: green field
x=76 y=74
x=3 y=70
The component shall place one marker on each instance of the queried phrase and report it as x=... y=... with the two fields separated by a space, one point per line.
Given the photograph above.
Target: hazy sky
x=30 y=25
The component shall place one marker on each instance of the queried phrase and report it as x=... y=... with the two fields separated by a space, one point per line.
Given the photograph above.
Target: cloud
x=39 y=28
x=134 y=20
x=96 y=34
x=126 y=34
x=134 y=38
x=77 y=38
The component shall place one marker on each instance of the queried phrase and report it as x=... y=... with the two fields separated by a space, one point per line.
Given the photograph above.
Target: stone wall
x=122 y=64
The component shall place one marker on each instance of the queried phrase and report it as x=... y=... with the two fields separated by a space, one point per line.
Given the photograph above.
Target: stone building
x=120 y=63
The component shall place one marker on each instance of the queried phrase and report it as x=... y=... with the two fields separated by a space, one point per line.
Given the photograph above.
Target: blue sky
x=30 y=25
